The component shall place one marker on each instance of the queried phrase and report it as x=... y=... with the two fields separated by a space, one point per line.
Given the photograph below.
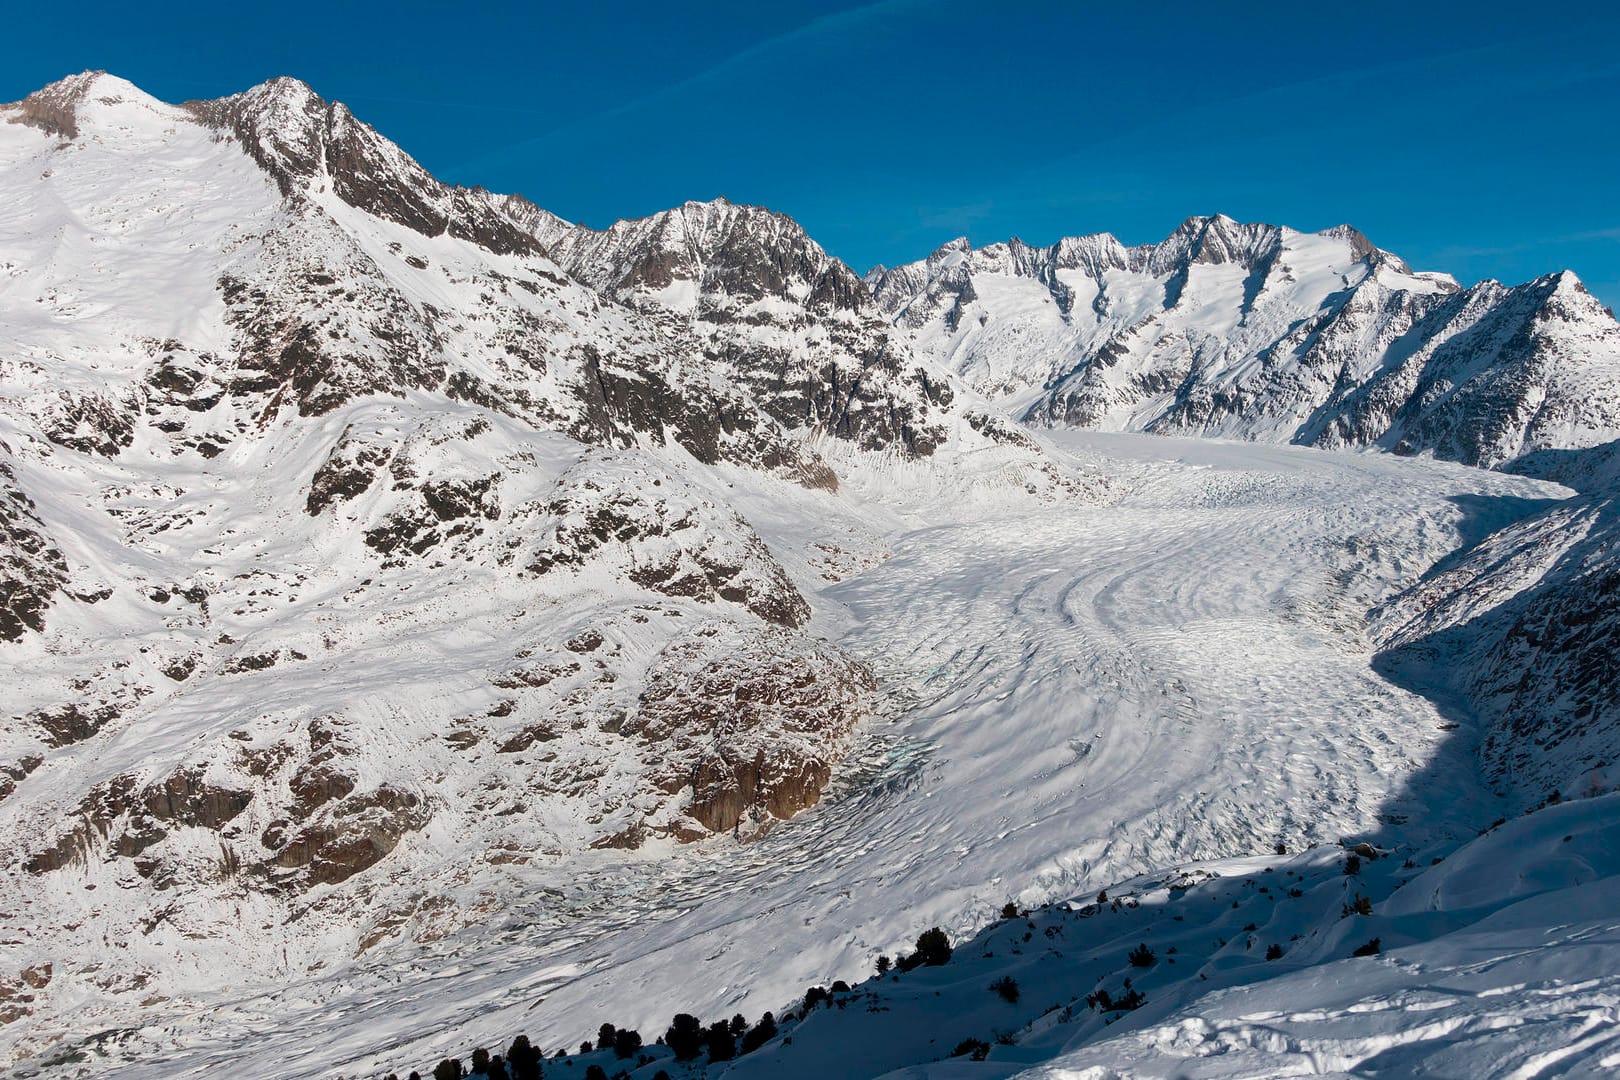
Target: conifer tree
x=722 y=1044
x=524 y=1059
x=685 y=1036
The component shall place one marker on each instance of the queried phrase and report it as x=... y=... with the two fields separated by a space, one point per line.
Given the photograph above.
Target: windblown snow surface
x=1077 y=696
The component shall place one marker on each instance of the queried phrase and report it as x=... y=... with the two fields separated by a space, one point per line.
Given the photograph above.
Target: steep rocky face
x=1488 y=377
x=1525 y=627
x=649 y=526
x=54 y=109
x=712 y=258
x=1257 y=332
x=31 y=567
x=764 y=300
x=748 y=735
x=305 y=143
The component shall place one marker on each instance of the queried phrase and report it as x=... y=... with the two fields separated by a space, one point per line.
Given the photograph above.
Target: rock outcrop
x=748 y=731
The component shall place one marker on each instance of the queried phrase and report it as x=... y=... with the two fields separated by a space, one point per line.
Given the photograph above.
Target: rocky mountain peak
x=704 y=255
x=1092 y=253
x=309 y=145
x=1214 y=240
x=56 y=109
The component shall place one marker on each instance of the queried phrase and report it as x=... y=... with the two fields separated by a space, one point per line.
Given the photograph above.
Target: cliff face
x=1523 y=628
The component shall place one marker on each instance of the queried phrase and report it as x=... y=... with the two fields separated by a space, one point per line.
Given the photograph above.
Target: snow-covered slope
x=425 y=619
x=1259 y=332
x=354 y=552
x=1524 y=629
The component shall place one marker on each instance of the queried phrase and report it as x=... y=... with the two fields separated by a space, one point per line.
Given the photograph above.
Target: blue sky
x=1482 y=139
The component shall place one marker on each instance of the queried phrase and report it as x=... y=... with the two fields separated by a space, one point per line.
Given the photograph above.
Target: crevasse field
x=1075 y=697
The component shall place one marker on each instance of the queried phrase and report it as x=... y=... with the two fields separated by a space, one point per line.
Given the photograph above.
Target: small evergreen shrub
x=973 y=1049
x=760 y=1034
x=1007 y=987
x=1131 y=999
x=1142 y=956
x=933 y=947
x=1372 y=948
x=722 y=1044
x=626 y=1044
x=684 y=1037
x=1274 y=952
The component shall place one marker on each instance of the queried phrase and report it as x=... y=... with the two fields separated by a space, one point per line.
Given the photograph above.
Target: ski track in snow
x=1077 y=695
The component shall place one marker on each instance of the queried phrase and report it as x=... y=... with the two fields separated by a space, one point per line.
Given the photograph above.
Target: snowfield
x=1077 y=696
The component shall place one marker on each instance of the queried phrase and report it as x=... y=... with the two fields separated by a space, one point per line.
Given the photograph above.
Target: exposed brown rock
x=15 y=773
x=32 y=568
x=350 y=468
x=185 y=798
x=54 y=109
x=357 y=833
x=73 y=721
x=751 y=726
x=91 y=424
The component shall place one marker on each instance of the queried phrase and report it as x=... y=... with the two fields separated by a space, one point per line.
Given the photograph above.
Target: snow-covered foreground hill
x=1076 y=696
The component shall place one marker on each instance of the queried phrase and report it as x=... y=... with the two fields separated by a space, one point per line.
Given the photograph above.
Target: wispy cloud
x=1463 y=251
x=840 y=22
x=960 y=218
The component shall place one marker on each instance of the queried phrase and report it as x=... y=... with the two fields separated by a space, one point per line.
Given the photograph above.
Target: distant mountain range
x=1261 y=332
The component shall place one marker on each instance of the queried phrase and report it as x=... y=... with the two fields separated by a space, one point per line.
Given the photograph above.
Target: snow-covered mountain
x=1261 y=332
x=399 y=583
x=1524 y=627
x=355 y=551
x=763 y=298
